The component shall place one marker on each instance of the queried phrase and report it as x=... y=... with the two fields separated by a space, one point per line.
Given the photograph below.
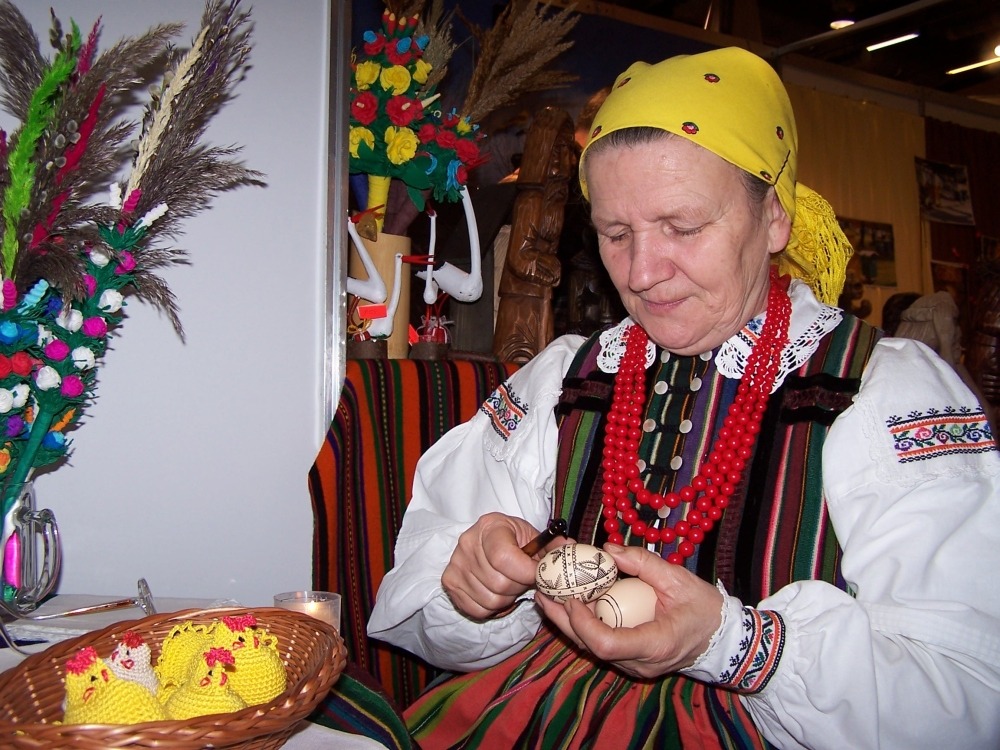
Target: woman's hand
x=488 y=570
x=688 y=612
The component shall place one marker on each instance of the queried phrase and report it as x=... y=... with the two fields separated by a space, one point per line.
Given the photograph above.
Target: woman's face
x=682 y=244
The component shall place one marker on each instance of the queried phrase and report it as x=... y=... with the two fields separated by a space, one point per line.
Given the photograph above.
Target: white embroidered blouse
x=911 y=660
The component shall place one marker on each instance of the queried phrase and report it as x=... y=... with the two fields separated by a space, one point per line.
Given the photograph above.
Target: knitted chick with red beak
x=132 y=660
x=207 y=690
x=258 y=675
x=95 y=695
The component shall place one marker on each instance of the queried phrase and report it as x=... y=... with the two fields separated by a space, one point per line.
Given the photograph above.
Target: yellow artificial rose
x=395 y=79
x=366 y=73
x=4 y=460
x=464 y=126
x=421 y=70
x=359 y=135
x=400 y=144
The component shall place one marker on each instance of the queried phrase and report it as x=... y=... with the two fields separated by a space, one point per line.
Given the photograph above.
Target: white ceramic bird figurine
x=463 y=286
x=373 y=288
x=383 y=326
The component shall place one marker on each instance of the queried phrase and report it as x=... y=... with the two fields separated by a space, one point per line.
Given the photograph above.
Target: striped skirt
x=551 y=696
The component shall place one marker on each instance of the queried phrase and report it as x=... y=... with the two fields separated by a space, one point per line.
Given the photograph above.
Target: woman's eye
x=616 y=238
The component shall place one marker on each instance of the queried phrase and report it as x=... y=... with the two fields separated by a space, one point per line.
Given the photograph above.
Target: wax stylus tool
x=557 y=527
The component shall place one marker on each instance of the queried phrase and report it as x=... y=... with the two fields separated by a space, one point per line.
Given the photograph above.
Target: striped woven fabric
x=356 y=707
x=550 y=697
x=390 y=412
x=786 y=534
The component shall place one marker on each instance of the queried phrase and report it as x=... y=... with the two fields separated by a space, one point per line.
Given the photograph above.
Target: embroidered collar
x=811 y=321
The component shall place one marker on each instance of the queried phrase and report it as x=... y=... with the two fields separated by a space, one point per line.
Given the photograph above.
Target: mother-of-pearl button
x=685 y=426
x=660 y=387
x=663 y=512
x=664 y=356
x=649 y=425
x=705 y=356
x=695 y=384
x=641 y=464
x=676 y=462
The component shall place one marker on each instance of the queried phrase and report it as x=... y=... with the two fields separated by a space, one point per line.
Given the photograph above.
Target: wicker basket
x=31 y=693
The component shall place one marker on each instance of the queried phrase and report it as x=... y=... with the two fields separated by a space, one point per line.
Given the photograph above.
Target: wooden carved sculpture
x=532 y=270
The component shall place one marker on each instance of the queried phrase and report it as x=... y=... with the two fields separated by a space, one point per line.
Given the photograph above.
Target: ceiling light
x=841 y=24
x=979 y=64
x=890 y=42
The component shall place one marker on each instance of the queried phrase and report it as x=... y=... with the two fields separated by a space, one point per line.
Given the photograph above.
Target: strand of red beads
x=623 y=491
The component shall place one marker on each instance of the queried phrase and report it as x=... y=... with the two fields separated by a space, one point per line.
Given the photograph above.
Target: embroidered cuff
x=744 y=652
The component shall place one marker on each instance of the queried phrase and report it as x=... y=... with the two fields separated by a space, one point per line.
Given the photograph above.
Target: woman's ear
x=777 y=223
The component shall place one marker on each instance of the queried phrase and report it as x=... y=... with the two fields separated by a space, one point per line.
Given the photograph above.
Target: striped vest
x=776 y=529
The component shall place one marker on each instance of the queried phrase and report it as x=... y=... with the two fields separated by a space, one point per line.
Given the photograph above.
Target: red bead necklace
x=720 y=474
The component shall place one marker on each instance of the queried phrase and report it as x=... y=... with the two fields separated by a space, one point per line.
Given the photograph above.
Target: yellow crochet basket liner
x=31 y=693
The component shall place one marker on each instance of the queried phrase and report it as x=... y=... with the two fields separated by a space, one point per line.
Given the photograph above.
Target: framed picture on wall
x=874 y=251
x=989 y=248
x=944 y=192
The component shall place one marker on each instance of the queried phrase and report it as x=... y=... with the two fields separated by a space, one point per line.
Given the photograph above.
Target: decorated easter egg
x=581 y=571
x=629 y=602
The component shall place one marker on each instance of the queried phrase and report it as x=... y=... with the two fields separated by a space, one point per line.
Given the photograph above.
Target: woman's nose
x=651 y=261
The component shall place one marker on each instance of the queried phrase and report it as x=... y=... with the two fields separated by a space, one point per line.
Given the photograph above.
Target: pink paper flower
x=57 y=350
x=71 y=386
x=9 y=294
x=94 y=327
x=126 y=263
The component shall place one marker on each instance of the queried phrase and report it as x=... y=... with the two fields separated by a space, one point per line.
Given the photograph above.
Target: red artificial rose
x=402 y=110
x=467 y=151
x=447 y=139
x=374 y=47
x=426 y=133
x=21 y=363
x=364 y=108
x=462 y=175
x=396 y=57
x=5 y=366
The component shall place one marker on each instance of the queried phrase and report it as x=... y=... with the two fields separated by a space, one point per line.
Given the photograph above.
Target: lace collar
x=811 y=321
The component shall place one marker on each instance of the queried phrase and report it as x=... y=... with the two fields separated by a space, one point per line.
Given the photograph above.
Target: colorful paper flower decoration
x=395 y=131
x=76 y=241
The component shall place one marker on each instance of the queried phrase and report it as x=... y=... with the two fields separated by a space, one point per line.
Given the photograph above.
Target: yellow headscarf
x=732 y=103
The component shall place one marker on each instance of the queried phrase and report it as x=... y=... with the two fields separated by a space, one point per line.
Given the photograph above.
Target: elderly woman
x=811 y=504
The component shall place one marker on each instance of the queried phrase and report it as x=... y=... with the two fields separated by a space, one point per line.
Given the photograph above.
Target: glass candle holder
x=323 y=605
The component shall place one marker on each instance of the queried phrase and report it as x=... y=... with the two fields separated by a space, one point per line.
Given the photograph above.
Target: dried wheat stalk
x=515 y=55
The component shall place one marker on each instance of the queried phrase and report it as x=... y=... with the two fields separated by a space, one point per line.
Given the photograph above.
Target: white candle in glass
x=323 y=605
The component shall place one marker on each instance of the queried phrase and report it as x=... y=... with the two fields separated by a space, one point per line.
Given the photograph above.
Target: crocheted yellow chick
x=207 y=690
x=94 y=695
x=259 y=673
x=180 y=653
x=131 y=660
